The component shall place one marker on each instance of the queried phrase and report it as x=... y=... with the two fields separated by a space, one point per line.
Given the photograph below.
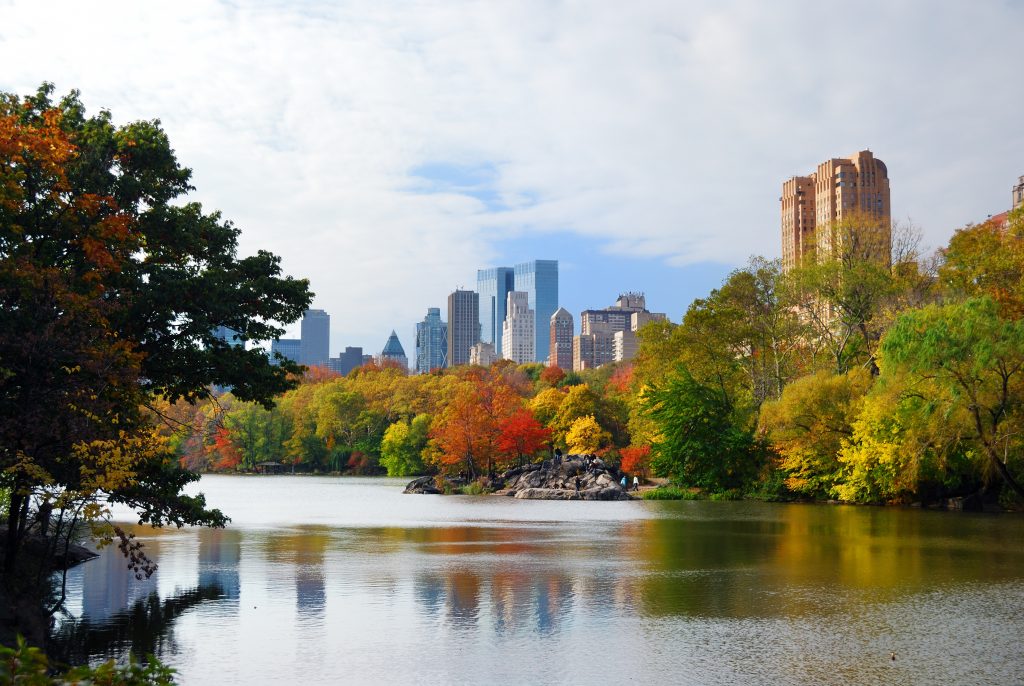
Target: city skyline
x=507 y=131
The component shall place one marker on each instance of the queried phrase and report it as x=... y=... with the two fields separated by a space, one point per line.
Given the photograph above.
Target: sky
x=388 y=150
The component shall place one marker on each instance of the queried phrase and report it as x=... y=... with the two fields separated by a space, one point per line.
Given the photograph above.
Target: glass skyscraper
x=431 y=342
x=539 y=279
x=316 y=338
x=493 y=285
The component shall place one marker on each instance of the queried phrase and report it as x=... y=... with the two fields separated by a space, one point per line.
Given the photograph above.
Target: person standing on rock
x=623 y=482
x=577 y=482
x=636 y=483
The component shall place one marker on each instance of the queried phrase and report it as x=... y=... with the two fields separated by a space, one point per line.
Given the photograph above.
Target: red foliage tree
x=228 y=454
x=636 y=459
x=520 y=435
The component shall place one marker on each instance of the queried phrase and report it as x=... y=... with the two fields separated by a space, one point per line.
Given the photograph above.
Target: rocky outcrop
x=424 y=484
x=574 y=477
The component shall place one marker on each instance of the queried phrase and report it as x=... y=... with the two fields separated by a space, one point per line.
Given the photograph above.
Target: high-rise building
x=316 y=338
x=539 y=280
x=854 y=188
x=290 y=348
x=463 y=325
x=596 y=344
x=493 y=286
x=431 y=342
x=560 y=350
x=394 y=352
x=482 y=354
x=518 y=329
x=1018 y=193
x=347 y=361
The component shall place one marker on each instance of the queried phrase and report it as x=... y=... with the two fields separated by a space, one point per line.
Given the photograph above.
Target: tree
x=636 y=459
x=585 y=435
x=988 y=260
x=965 y=357
x=111 y=290
x=520 y=435
x=466 y=432
x=402 y=446
x=698 y=442
x=808 y=425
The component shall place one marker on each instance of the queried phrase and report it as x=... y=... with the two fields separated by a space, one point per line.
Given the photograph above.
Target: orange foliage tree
x=521 y=435
x=636 y=459
x=467 y=430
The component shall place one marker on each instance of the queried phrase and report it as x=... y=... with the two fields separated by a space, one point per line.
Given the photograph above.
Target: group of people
x=636 y=482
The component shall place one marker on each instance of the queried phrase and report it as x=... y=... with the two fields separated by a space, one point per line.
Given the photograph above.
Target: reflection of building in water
x=430 y=592
x=108 y=586
x=220 y=552
x=464 y=598
x=303 y=553
x=310 y=596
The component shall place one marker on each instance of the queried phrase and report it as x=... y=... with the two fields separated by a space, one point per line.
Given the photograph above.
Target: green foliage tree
x=987 y=259
x=698 y=442
x=965 y=357
x=403 y=444
x=111 y=289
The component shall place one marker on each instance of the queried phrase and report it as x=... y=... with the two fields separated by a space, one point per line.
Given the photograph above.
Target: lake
x=347 y=580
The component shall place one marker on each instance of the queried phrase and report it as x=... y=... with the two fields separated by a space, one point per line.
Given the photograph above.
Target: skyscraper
x=431 y=342
x=316 y=338
x=539 y=280
x=463 y=325
x=560 y=352
x=290 y=348
x=518 y=336
x=596 y=343
x=394 y=352
x=840 y=188
x=347 y=361
x=493 y=286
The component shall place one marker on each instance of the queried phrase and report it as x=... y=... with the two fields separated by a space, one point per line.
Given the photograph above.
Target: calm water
x=329 y=580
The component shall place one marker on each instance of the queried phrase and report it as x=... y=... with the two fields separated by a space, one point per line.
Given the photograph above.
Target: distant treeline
x=848 y=377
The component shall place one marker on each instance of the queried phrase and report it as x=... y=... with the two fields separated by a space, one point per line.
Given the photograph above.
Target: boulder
x=424 y=484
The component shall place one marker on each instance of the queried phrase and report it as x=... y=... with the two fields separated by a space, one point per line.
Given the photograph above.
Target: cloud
x=386 y=150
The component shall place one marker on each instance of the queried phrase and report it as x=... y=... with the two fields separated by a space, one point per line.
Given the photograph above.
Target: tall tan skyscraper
x=857 y=187
x=560 y=354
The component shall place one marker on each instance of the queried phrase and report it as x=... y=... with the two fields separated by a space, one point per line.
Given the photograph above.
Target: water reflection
x=768 y=584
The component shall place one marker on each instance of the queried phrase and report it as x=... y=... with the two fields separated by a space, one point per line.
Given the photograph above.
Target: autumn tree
x=585 y=436
x=987 y=259
x=636 y=459
x=808 y=425
x=521 y=436
x=467 y=430
x=111 y=289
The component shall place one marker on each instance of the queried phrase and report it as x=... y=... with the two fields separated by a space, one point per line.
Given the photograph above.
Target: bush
x=25 y=664
x=670 y=493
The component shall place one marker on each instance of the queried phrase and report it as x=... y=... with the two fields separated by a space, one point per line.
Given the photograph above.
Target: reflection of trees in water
x=144 y=628
x=767 y=560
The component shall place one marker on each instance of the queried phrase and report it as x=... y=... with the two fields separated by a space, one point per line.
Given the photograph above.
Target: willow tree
x=966 y=358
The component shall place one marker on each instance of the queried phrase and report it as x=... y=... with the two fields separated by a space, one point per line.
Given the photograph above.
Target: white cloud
x=663 y=129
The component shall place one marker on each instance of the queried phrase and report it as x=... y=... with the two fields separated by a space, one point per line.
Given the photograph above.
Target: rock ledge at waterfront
x=573 y=477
